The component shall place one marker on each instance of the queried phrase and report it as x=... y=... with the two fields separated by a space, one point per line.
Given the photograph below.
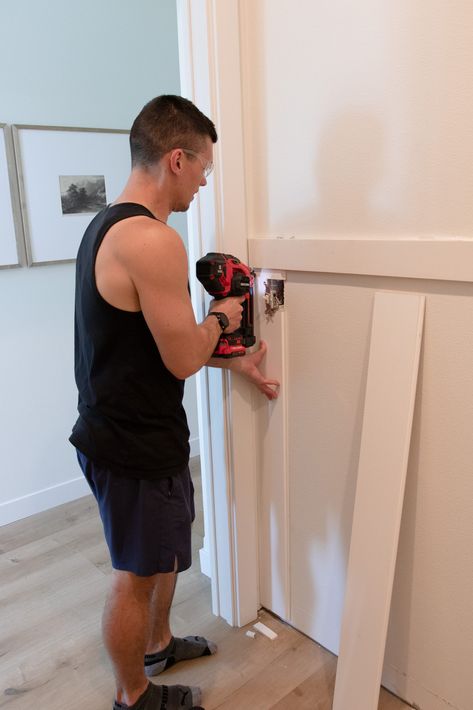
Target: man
x=136 y=340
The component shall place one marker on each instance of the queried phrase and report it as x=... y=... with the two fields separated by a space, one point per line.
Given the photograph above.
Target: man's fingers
x=270 y=394
x=267 y=386
x=271 y=383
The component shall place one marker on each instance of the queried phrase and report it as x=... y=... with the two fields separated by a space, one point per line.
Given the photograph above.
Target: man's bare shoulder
x=138 y=254
x=142 y=237
x=141 y=245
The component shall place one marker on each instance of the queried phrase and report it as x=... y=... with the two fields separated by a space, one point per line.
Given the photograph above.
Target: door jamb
x=209 y=54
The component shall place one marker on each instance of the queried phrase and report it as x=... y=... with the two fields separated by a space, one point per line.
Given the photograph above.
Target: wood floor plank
x=388 y=701
x=239 y=660
x=277 y=678
x=44 y=524
x=316 y=692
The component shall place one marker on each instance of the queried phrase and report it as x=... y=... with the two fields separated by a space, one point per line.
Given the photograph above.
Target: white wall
x=83 y=64
x=358 y=125
x=360 y=84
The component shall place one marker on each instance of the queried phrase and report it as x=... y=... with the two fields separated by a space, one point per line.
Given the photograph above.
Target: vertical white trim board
x=195 y=85
x=273 y=465
x=209 y=54
x=396 y=337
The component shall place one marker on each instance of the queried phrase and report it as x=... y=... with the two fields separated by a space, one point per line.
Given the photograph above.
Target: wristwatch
x=222 y=319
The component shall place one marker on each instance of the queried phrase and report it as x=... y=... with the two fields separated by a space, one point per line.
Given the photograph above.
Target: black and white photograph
x=82 y=193
x=65 y=176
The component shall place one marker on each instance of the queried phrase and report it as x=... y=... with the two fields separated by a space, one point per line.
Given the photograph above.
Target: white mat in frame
x=396 y=338
x=48 y=159
x=12 y=249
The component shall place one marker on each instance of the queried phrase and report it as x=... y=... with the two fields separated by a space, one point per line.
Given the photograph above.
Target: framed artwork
x=12 y=247
x=66 y=175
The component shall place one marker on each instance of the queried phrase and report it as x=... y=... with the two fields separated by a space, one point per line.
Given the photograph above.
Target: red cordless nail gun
x=224 y=275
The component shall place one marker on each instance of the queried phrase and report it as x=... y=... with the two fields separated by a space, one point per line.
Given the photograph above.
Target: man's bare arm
x=249 y=367
x=157 y=265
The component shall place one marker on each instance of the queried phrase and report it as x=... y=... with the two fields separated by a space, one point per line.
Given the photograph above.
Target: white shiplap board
x=389 y=405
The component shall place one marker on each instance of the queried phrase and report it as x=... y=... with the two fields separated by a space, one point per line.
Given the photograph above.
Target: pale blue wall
x=85 y=63
x=91 y=64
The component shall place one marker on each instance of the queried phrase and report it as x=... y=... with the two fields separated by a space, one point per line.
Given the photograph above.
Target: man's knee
x=128 y=583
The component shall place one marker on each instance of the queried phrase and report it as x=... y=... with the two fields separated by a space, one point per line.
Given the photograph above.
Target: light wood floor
x=53 y=579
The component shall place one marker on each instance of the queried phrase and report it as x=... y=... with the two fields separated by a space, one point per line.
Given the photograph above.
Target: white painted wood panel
x=273 y=462
x=328 y=345
x=357 y=124
x=444 y=259
x=423 y=190
x=430 y=639
x=387 y=422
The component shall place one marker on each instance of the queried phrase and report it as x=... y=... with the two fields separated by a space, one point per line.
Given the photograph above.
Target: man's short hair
x=168 y=122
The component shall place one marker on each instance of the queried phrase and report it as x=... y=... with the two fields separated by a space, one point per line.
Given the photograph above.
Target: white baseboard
x=195 y=447
x=413 y=692
x=37 y=502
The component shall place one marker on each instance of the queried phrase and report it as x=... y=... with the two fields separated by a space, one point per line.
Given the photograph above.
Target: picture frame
x=66 y=175
x=12 y=245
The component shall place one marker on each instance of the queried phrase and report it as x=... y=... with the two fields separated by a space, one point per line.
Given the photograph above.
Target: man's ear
x=175 y=161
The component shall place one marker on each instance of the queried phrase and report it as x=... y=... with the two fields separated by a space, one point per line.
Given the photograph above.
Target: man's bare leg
x=163 y=649
x=126 y=628
x=161 y=601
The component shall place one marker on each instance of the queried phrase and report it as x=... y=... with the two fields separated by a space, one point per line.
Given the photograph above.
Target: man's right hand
x=233 y=309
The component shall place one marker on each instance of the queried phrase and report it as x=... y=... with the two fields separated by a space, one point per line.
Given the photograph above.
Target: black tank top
x=131 y=417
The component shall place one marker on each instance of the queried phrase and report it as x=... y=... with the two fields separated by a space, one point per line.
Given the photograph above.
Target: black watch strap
x=222 y=319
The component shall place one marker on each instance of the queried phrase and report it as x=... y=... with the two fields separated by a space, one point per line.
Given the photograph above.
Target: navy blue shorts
x=147 y=524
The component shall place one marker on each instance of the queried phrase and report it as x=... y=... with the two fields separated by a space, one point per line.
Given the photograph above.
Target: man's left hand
x=249 y=367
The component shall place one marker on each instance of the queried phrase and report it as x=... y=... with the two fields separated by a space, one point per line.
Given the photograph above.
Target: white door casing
x=209 y=53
